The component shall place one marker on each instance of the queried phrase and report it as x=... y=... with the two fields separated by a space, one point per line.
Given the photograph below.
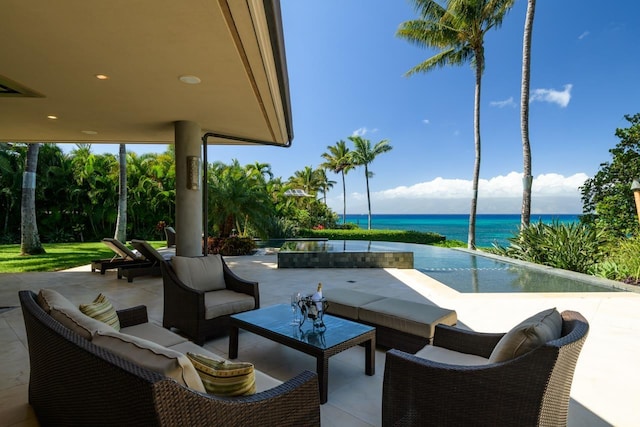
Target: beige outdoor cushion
x=222 y=303
x=346 y=302
x=202 y=273
x=450 y=357
x=152 y=332
x=152 y=356
x=263 y=381
x=529 y=334
x=48 y=297
x=68 y=314
x=411 y=317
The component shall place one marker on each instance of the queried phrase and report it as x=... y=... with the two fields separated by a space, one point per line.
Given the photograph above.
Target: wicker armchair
x=185 y=308
x=530 y=390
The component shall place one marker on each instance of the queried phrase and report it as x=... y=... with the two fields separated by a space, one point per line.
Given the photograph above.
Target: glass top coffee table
x=340 y=334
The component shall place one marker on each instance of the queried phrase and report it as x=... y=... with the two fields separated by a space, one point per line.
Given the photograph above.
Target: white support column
x=188 y=198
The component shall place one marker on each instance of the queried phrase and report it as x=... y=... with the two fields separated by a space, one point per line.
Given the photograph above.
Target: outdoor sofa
x=80 y=376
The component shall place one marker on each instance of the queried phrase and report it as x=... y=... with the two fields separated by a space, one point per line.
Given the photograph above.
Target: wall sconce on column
x=193 y=172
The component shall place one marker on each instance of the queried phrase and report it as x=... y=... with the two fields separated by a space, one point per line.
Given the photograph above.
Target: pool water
x=462 y=271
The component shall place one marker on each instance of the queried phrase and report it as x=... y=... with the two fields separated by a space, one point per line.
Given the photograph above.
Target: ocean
x=490 y=228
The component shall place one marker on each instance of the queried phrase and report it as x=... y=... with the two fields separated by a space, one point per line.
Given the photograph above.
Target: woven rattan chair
x=529 y=390
x=170 y=234
x=185 y=308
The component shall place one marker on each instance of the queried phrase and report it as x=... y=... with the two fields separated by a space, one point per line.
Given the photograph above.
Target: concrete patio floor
x=605 y=389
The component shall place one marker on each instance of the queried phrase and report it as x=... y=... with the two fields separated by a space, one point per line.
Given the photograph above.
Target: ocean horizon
x=490 y=228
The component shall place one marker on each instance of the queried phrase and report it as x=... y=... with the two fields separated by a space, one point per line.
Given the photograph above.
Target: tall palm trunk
x=527 y=178
x=121 y=222
x=471 y=242
x=344 y=199
x=366 y=174
x=29 y=238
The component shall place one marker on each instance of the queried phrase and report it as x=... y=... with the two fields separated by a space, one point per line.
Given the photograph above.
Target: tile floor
x=605 y=388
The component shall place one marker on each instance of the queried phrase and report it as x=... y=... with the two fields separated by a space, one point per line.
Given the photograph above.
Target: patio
x=604 y=390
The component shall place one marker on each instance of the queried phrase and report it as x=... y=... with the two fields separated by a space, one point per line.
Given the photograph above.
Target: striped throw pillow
x=102 y=310
x=224 y=378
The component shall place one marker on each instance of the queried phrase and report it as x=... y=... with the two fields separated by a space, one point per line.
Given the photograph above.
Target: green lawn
x=59 y=256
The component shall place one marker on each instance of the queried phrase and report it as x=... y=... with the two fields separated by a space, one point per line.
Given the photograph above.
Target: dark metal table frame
x=322 y=355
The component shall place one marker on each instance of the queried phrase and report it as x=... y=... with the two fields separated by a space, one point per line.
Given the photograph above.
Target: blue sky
x=346 y=70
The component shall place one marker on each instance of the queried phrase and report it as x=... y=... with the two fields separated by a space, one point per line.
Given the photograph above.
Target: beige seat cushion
x=450 y=357
x=203 y=273
x=529 y=334
x=222 y=303
x=346 y=302
x=69 y=315
x=263 y=381
x=152 y=356
x=152 y=332
x=411 y=317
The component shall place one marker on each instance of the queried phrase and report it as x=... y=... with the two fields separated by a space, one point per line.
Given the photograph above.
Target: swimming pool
x=469 y=273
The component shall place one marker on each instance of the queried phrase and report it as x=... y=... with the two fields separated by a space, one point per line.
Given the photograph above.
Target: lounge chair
x=124 y=257
x=471 y=378
x=150 y=254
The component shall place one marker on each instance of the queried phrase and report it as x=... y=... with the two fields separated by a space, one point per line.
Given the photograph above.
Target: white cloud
x=505 y=103
x=551 y=193
x=426 y=121
x=363 y=131
x=561 y=98
x=583 y=35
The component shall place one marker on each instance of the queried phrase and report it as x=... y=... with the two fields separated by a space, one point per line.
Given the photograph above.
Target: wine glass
x=295 y=299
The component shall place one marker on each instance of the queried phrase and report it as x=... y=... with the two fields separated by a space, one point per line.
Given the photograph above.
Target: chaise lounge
x=123 y=258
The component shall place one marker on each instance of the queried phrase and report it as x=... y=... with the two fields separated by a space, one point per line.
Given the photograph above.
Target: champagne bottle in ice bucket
x=313 y=307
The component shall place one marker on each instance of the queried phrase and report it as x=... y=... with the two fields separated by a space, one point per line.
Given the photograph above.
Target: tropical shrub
x=623 y=263
x=574 y=246
x=231 y=246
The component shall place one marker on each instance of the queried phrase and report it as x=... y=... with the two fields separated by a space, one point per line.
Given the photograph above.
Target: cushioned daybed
x=405 y=325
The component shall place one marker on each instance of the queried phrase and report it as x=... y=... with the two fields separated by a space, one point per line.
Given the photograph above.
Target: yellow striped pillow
x=224 y=378
x=102 y=310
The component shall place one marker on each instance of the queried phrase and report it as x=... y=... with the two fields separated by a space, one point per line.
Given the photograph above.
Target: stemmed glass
x=295 y=299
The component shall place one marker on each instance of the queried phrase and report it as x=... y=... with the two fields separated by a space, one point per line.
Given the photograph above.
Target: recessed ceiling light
x=90 y=132
x=52 y=117
x=102 y=76
x=192 y=80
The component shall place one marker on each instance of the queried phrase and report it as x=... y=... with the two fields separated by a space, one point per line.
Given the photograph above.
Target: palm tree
x=338 y=159
x=121 y=221
x=457 y=30
x=29 y=237
x=363 y=155
x=325 y=183
x=306 y=179
x=527 y=179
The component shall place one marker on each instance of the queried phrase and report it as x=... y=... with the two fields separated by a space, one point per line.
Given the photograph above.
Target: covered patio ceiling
x=53 y=54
